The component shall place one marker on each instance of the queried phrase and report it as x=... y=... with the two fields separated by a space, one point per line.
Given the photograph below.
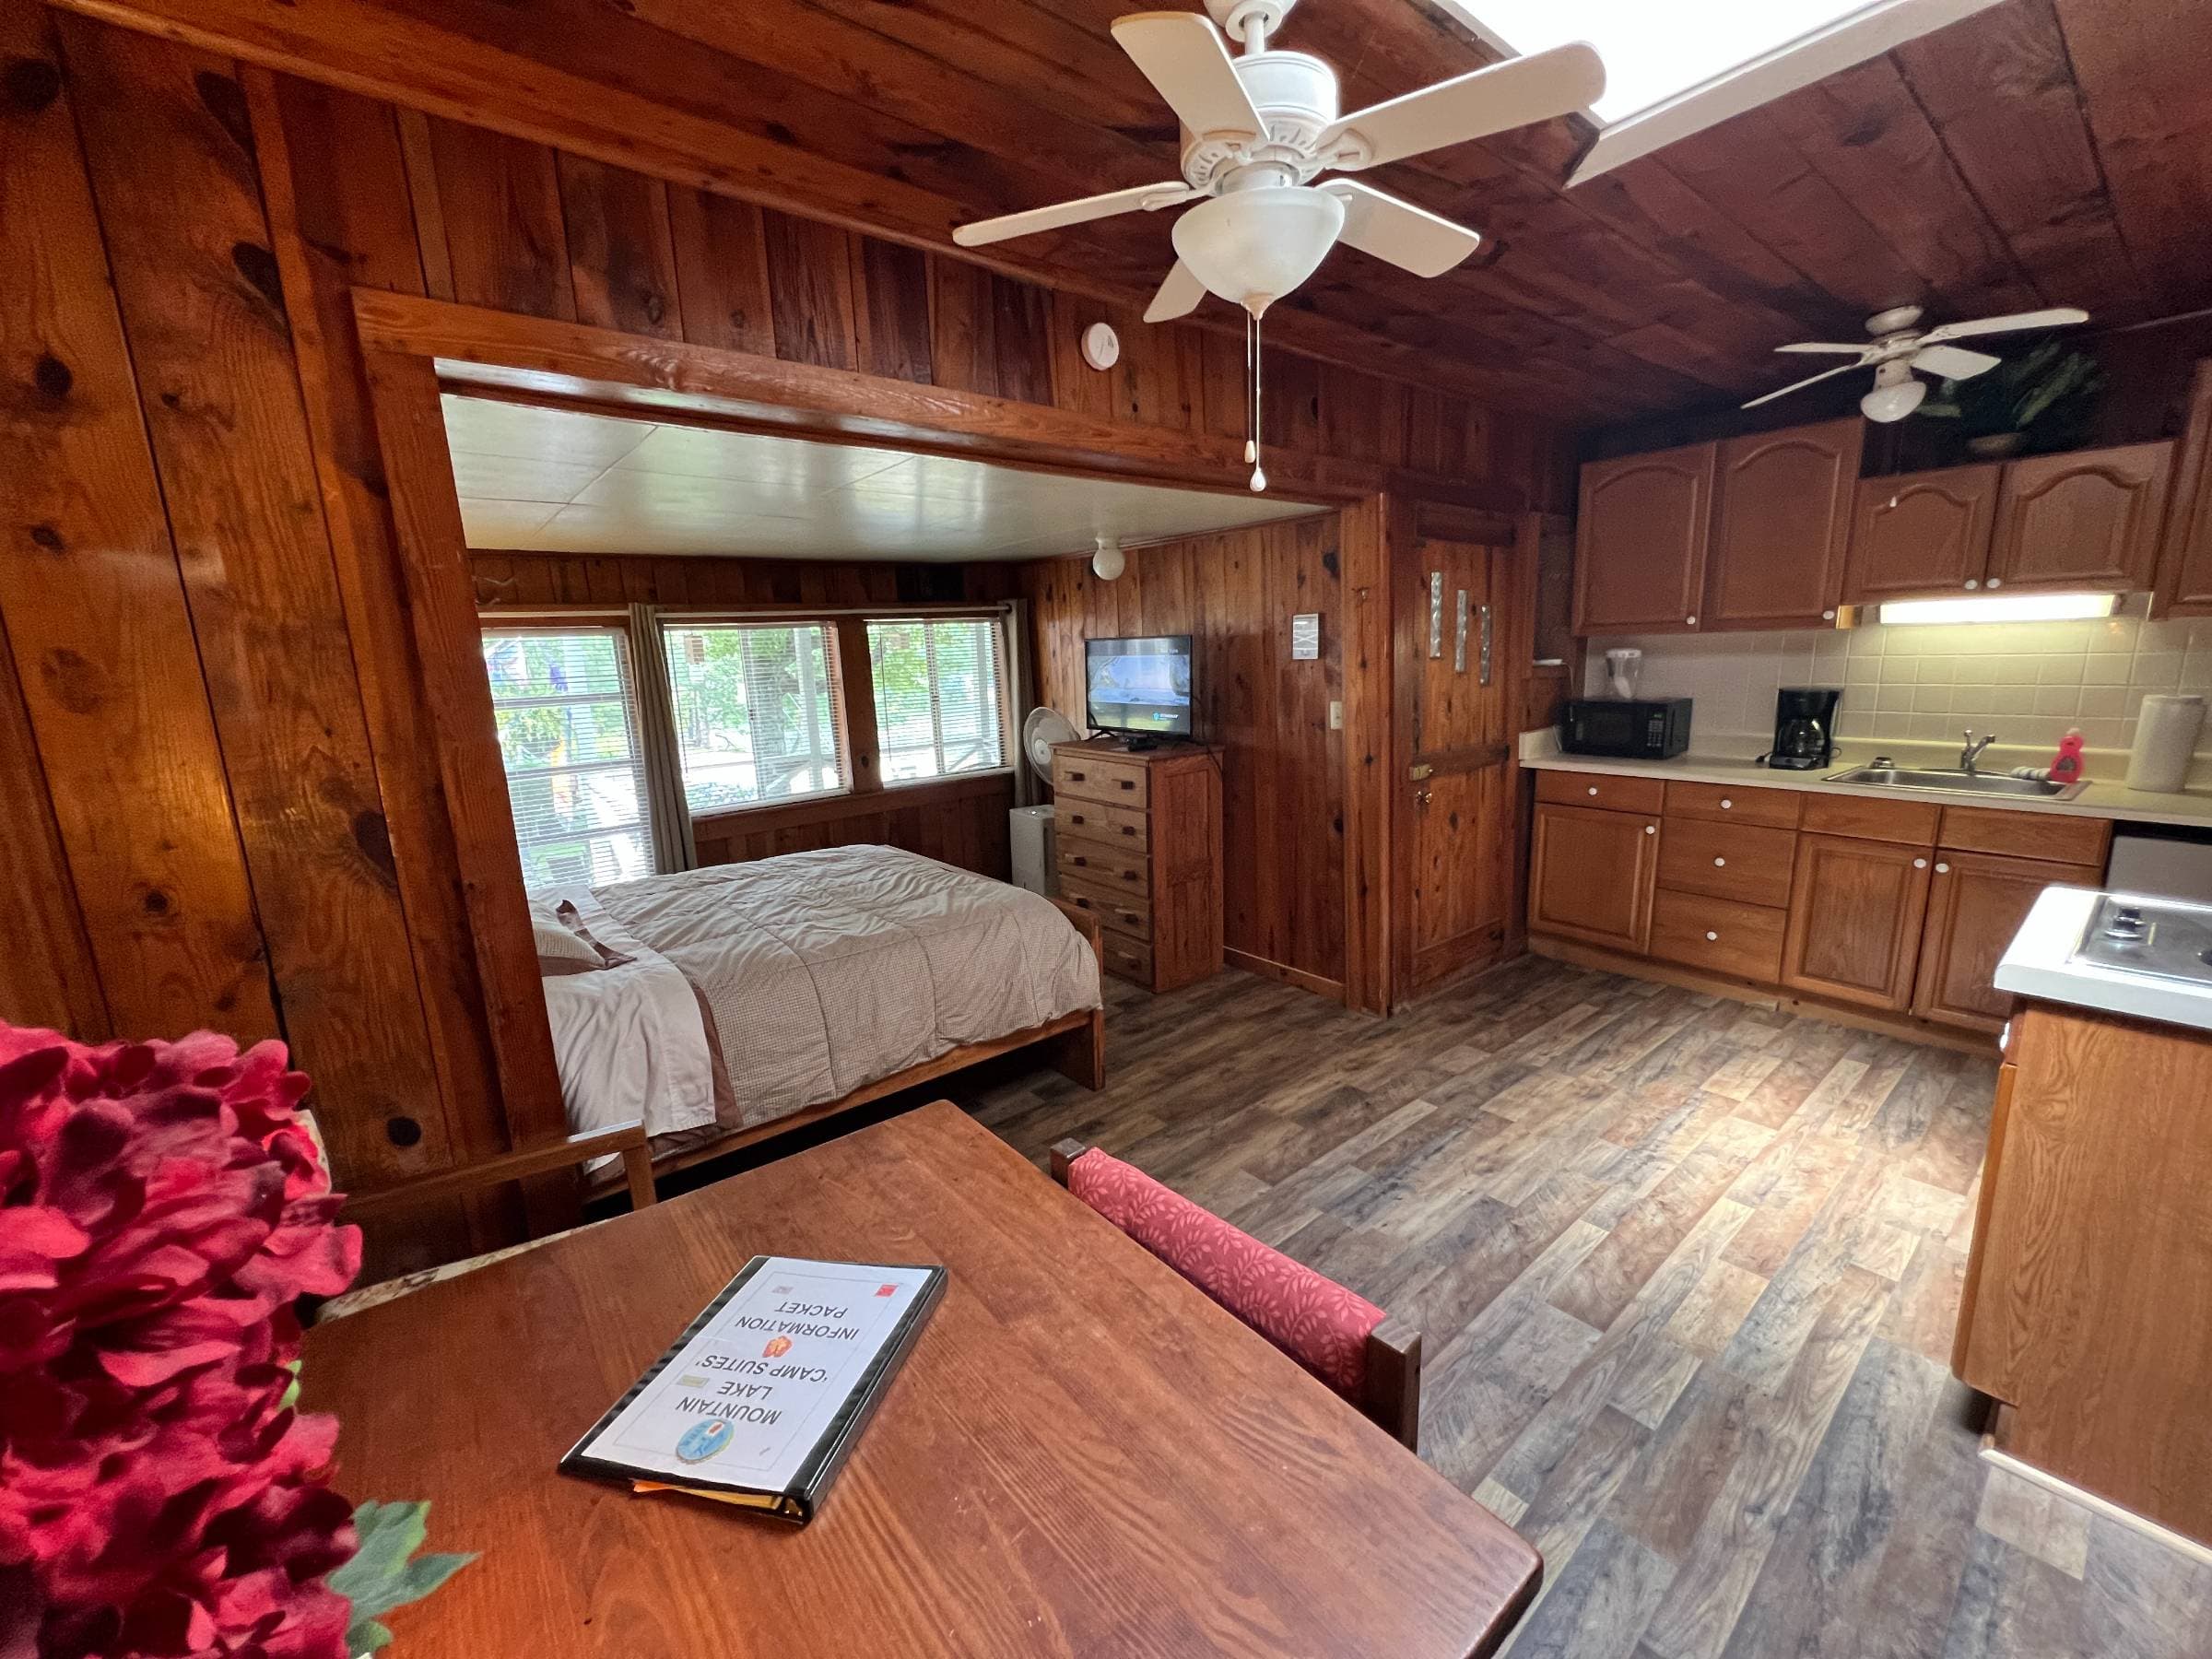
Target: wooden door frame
x=413 y=349
x=1416 y=510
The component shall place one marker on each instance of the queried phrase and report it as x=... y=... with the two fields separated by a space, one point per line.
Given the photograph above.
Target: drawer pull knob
x=1711 y=937
x=1593 y=789
x=1920 y=864
x=1943 y=869
x=1720 y=864
x=1726 y=803
x=1651 y=829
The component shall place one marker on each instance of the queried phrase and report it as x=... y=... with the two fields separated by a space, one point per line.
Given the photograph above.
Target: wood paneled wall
x=1282 y=768
x=225 y=805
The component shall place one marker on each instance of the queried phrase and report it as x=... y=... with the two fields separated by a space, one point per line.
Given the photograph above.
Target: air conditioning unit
x=1030 y=831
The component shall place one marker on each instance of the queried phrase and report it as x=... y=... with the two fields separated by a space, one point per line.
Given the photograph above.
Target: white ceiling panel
x=562 y=481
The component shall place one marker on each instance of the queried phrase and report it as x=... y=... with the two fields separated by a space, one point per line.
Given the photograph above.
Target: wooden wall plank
x=722 y=271
x=47 y=975
x=810 y=291
x=500 y=200
x=170 y=150
x=1369 y=787
x=93 y=604
x=893 y=312
x=621 y=255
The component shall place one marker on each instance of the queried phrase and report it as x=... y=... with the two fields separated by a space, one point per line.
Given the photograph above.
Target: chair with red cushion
x=1372 y=1360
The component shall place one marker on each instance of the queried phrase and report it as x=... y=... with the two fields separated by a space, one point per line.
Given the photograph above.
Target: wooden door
x=1921 y=535
x=2087 y=520
x=1641 y=541
x=1591 y=875
x=2185 y=561
x=1456 y=639
x=1856 y=907
x=1976 y=902
x=1782 y=509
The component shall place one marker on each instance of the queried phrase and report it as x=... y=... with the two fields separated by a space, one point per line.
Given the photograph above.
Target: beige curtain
x=673 y=848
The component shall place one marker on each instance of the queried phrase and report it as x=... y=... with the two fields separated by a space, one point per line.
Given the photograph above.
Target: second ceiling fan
x=1258 y=129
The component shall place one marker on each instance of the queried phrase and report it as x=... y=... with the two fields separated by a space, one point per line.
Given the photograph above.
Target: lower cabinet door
x=1591 y=874
x=1857 y=909
x=1976 y=903
x=1981 y=1363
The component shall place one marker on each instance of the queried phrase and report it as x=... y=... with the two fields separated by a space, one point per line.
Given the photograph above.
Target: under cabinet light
x=1999 y=608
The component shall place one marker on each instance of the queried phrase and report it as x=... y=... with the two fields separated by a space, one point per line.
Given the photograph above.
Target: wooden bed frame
x=1075 y=1045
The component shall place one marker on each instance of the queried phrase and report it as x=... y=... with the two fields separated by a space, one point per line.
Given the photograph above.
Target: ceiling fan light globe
x=1254 y=246
x=1109 y=561
x=1892 y=403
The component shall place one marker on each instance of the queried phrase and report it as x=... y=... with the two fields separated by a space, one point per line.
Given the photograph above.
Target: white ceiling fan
x=1899 y=345
x=1258 y=129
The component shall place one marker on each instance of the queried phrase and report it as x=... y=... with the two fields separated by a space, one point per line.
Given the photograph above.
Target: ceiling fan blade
x=2057 y=317
x=1411 y=238
x=1954 y=363
x=1796 y=385
x=1475 y=105
x=1146 y=196
x=1834 y=348
x=1183 y=56
x=1179 y=295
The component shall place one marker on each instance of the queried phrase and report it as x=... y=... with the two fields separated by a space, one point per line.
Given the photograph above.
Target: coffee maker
x=1805 y=728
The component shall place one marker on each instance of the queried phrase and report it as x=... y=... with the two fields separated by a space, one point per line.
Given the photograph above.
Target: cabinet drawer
x=1124 y=870
x=2045 y=835
x=1729 y=860
x=1124 y=912
x=1596 y=789
x=1773 y=808
x=1125 y=958
x=1719 y=935
x=1910 y=822
x=1099 y=777
x=1088 y=820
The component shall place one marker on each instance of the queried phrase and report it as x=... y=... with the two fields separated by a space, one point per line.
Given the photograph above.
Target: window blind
x=756 y=712
x=565 y=705
x=940 y=696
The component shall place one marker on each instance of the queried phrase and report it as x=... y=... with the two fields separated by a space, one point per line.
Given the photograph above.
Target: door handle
x=1486 y=641
x=1459 y=634
x=1435 y=613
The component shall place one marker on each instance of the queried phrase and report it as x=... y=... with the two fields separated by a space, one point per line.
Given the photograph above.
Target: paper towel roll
x=2165 y=742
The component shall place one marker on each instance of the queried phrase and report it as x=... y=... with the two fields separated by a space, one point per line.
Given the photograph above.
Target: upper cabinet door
x=1782 y=525
x=1921 y=535
x=2185 y=560
x=1639 y=553
x=2085 y=520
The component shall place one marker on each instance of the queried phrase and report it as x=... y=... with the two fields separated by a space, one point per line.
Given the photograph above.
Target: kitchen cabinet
x=2185 y=560
x=1591 y=874
x=1921 y=535
x=2084 y=521
x=1640 y=540
x=1781 y=513
x=1857 y=909
x=1976 y=902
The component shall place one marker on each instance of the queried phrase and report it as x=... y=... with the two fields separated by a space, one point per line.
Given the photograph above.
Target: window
x=938 y=697
x=756 y=713
x=564 y=704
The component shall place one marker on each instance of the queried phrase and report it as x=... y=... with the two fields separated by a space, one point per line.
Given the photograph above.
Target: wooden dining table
x=1083 y=1454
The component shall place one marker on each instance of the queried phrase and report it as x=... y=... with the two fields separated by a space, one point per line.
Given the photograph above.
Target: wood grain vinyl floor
x=1686 y=1273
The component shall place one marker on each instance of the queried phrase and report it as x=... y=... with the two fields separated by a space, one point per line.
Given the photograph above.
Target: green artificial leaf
x=424 y=1574
x=390 y=1533
x=292 y=1391
x=367 y=1636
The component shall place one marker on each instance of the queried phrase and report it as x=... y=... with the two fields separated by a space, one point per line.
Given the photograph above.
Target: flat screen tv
x=1139 y=686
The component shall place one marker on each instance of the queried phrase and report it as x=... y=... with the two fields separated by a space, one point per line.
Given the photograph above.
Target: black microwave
x=1626 y=728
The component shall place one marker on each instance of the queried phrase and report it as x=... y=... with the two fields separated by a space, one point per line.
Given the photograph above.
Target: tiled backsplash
x=2026 y=681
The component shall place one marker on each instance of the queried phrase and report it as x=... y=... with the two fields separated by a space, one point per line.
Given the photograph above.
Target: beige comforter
x=827 y=970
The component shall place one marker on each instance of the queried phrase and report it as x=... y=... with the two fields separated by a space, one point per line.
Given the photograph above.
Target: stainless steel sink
x=1949 y=780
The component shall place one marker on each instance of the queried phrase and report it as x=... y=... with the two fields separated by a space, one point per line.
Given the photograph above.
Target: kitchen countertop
x=1540 y=751
x=2036 y=965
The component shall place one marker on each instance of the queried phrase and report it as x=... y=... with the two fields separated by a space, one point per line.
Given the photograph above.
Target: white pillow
x=561 y=950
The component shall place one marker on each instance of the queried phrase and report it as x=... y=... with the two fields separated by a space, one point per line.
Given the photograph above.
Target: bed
x=724 y=1004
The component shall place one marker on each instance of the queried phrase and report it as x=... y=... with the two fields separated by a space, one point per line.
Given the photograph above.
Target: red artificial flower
x=161 y=1209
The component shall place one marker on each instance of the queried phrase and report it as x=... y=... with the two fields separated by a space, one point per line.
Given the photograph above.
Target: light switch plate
x=1335 y=715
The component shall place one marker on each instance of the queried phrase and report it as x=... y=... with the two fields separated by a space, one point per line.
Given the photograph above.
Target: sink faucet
x=1973 y=751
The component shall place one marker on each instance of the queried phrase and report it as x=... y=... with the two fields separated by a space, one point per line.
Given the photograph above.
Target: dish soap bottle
x=2066 y=767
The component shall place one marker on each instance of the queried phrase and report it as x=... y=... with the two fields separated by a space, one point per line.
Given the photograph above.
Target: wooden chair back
x=1390 y=1389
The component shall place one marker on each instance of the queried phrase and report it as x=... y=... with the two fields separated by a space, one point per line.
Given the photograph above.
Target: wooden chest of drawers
x=1138 y=838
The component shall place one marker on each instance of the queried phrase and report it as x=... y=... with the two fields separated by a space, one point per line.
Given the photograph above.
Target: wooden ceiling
x=2042 y=151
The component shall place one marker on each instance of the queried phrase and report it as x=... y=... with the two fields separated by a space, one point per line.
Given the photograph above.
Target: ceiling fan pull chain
x=1259 y=479
x=1252 y=448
